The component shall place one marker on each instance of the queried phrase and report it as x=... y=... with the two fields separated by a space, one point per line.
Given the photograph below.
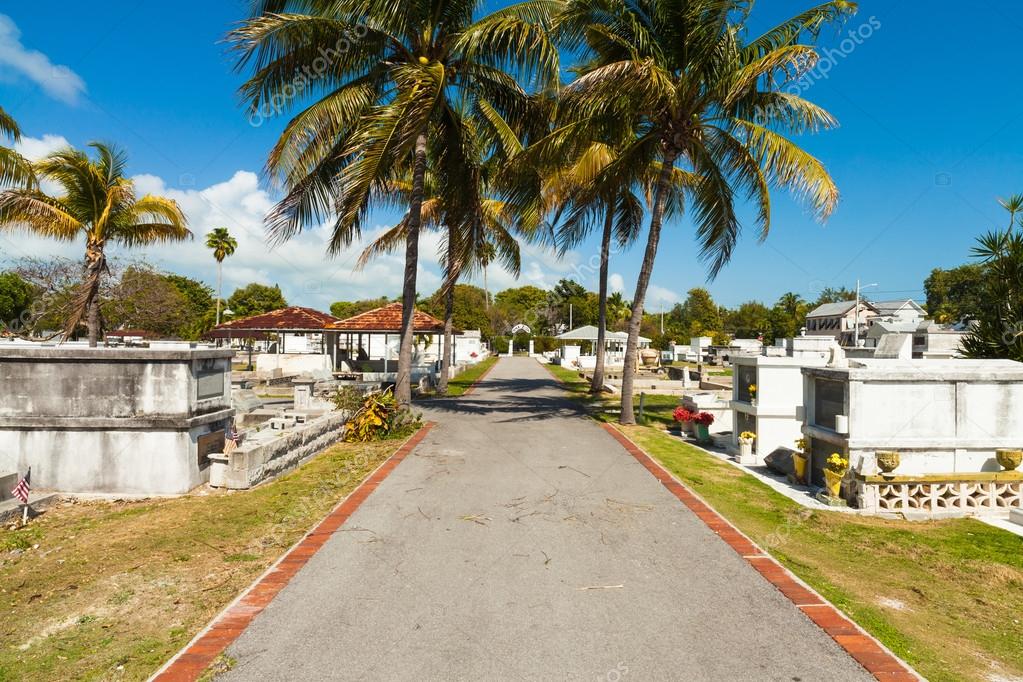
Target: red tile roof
x=388 y=319
x=295 y=318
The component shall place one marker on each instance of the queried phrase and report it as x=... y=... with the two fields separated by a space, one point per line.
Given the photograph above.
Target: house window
x=829 y=401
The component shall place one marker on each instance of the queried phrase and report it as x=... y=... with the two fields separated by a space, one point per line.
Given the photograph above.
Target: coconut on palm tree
x=14 y=168
x=223 y=245
x=388 y=77
x=98 y=202
x=711 y=109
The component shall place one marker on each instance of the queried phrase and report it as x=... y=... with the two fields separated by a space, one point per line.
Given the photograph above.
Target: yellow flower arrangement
x=752 y=389
x=801 y=444
x=837 y=463
x=747 y=435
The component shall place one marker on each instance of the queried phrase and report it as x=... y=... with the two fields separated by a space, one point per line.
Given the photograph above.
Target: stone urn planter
x=648 y=356
x=745 y=448
x=799 y=467
x=1009 y=459
x=887 y=461
x=833 y=482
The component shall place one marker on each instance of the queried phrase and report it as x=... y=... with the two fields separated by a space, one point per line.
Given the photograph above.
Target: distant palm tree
x=96 y=201
x=617 y=308
x=393 y=76
x=710 y=108
x=223 y=245
x=14 y=168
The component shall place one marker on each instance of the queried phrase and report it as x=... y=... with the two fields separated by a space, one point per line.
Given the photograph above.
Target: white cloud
x=57 y=81
x=306 y=275
x=658 y=297
x=35 y=148
x=615 y=283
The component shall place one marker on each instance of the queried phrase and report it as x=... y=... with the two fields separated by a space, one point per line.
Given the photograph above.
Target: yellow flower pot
x=834 y=482
x=799 y=466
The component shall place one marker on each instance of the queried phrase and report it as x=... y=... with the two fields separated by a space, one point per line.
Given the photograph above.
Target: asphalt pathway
x=520 y=541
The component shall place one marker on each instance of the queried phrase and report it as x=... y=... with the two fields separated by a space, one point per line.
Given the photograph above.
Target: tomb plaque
x=208 y=444
x=209 y=384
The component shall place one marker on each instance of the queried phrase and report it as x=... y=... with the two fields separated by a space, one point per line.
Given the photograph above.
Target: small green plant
x=348 y=399
x=381 y=417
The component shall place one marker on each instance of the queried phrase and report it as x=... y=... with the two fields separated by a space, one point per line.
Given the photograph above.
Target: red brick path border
x=190 y=663
x=867 y=651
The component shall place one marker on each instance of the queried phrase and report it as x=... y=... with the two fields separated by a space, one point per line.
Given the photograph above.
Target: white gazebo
x=614 y=345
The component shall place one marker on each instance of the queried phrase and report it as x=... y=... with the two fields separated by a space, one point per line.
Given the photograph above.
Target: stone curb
x=190 y=663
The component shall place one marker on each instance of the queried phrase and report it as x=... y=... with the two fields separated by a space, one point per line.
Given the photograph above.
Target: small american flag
x=230 y=439
x=21 y=490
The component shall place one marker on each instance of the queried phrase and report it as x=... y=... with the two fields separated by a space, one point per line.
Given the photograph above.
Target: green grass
x=110 y=590
x=461 y=383
x=943 y=595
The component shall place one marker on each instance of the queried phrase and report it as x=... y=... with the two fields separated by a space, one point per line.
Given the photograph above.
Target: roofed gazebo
x=369 y=341
x=296 y=322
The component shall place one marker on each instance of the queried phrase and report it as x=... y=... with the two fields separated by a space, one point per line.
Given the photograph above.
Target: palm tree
x=14 y=168
x=223 y=245
x=390 y=77
x=998 y=332
x=478 y=226
x=617 y=308
x=710 y=110
x=99 y=202
x=591 y=199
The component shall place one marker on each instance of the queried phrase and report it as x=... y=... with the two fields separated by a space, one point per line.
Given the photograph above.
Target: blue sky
x=930 y=136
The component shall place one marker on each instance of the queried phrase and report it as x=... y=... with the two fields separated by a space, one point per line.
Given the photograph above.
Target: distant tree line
x=37 y=294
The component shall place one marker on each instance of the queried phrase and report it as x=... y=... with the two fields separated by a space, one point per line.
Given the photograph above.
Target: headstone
x=531 y=347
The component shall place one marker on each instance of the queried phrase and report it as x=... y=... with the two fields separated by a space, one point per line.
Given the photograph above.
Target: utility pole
x=662 y=319
x=570 y=317
x=856 y=324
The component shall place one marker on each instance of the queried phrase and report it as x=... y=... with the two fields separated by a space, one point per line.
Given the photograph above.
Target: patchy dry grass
x=110 y=590
x=943 y=595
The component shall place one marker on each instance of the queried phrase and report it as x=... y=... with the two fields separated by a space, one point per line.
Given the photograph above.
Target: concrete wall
x=942 y=417
x=112 y=420
x=271 y=454
x=778 y=410
x=294 y=363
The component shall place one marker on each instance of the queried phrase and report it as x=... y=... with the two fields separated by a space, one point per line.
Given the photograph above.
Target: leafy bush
x=381 y=417
x=348 y=398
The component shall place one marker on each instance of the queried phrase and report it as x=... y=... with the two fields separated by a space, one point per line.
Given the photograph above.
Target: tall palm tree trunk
x=631 y=348
x=403 y=385
x=486 y=291
x=449 y=314
x=597 y=385
x=220 y=286
x=86 y=301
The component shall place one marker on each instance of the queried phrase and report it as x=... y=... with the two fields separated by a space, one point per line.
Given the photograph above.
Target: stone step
x=11 y=509
x=8 y=480
x=1016 y=516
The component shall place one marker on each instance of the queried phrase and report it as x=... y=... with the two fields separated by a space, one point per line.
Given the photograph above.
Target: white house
x=840 y=320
